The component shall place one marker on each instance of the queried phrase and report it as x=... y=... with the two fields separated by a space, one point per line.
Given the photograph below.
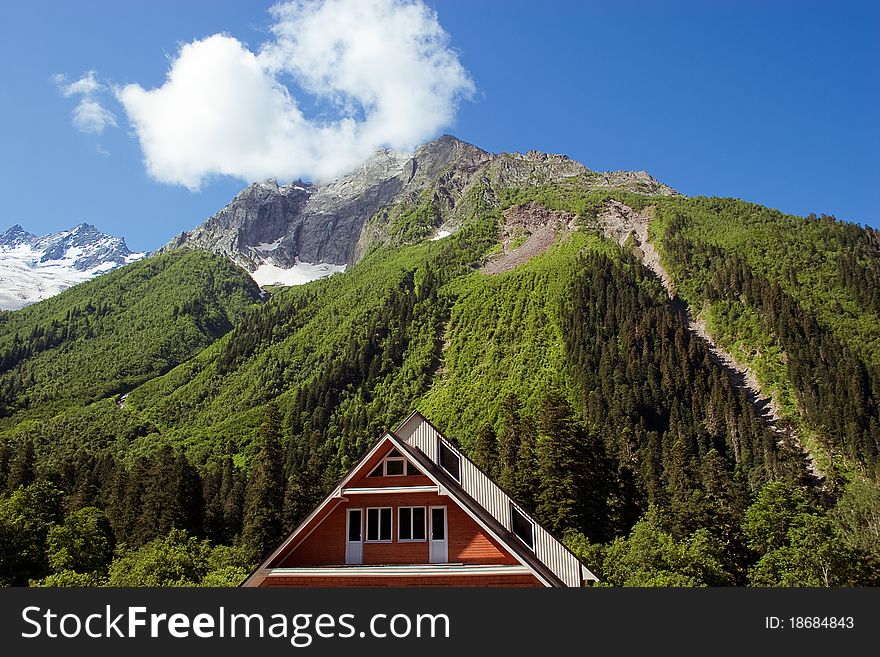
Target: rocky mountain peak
x=16 y=235
x=281 y=226
x=34 y=268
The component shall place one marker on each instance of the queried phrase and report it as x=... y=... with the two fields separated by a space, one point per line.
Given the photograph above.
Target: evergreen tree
x=26 y=517
x=212 y=478
x=172 y=497
x=575 y=476
x=297 y=501
x=485 y=450
x=232 y=489
x=21 y=470
x=508 y=442
x=264 y=496
x=5 y=453
x=526 y=478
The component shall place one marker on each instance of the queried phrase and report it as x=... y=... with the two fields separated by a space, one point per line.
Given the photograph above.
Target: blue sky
x=772 y=102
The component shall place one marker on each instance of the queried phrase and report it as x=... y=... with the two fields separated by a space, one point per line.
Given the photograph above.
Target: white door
x=438 y=545
x=354 y=539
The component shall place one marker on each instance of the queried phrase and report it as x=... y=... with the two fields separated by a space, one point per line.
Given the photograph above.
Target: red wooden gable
x=399 y=518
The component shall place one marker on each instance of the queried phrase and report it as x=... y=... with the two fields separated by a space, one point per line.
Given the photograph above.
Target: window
x=379 y=525
x=522 y=527
x=393 y=465
x=411 y=523
x=450 y=461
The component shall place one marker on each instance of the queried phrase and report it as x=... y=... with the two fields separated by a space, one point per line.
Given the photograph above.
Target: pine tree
x=264 y=496
x=21 y=470
x=525 y=476
x=4 y=461
x=212 y=482
x=187 y=485
x=485 y=450
x=232 y=489
x=556 y=500
x=508 y=442
x=297 y=502
x=576 y=478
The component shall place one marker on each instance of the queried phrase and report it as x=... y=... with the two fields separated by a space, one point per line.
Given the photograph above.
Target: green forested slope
x=796 y=299
x=504 y=337
x=572 y=379
x=829 y=267
x=106 y=336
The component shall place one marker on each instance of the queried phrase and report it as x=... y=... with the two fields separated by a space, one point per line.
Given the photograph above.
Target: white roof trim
x=378 y=490
x=417 y=570
x=372 y=453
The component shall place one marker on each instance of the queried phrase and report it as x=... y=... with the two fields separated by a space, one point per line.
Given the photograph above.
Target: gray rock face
x=330 y=223
x=280 y=224
x=260 y=216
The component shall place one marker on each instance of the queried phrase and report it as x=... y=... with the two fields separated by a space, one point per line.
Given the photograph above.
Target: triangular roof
x=484 y=501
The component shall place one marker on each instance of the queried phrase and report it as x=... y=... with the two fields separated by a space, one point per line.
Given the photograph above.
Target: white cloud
x=89 y=115
x=384 y=68
x=87 y=85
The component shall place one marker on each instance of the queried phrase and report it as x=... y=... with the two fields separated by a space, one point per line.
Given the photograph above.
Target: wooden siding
x=467 y=542
x=517 y=581
x=419 y=433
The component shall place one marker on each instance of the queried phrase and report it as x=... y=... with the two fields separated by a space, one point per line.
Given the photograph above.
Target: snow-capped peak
x=15 y=236
x=33 y=268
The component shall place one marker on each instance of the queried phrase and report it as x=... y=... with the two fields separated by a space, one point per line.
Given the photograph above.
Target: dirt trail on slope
x=618 y=222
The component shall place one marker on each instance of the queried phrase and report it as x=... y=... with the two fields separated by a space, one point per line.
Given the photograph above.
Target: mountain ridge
x=335 y=223
x=34 y=267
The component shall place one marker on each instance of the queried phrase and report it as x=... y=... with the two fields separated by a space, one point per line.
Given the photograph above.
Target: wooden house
x=416 y=512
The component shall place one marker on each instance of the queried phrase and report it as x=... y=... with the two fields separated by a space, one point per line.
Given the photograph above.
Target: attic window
x=393 y=465
x=450 y=461
x=522 y=527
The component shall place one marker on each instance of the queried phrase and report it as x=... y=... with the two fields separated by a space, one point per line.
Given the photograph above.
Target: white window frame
x=389 y=459
x=378 y=510
x=407 y=466
x=412 y=525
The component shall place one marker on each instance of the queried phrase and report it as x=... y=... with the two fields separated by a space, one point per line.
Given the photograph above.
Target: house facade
x=416 y=512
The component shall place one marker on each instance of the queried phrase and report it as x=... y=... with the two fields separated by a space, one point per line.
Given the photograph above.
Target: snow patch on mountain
x=264 y=247
x=34 y=268
x=299 y=274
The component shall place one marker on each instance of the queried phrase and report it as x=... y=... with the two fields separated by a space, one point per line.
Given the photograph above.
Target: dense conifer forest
x=165 y=424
